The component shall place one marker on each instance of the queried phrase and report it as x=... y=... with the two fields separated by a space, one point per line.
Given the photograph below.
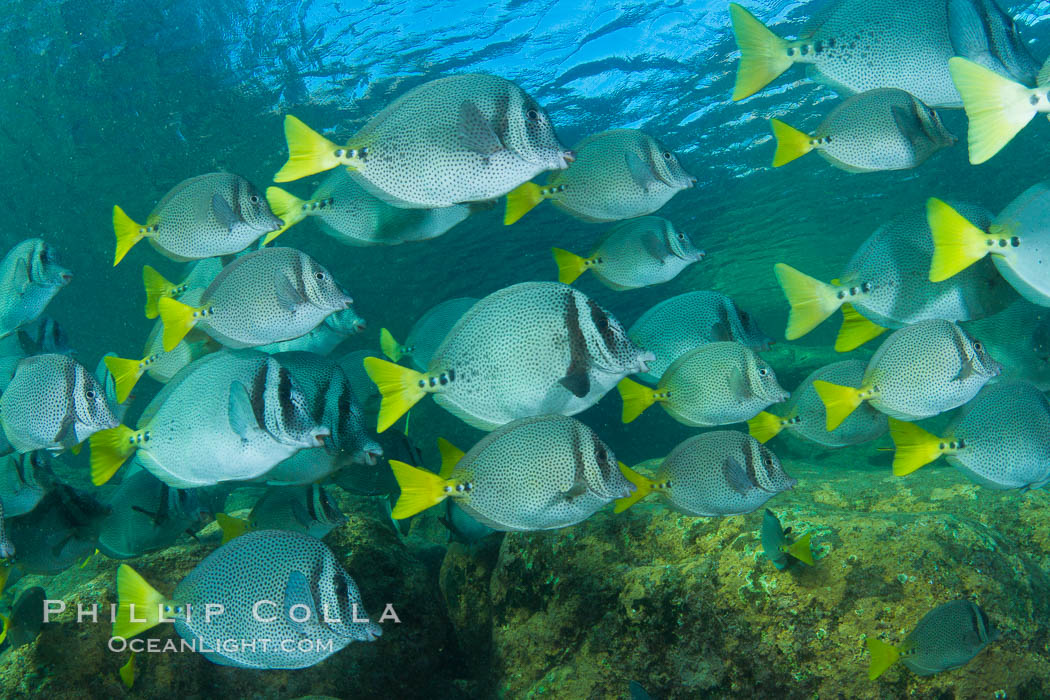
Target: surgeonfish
x=53 y=403
x=885 y=285
x=1001 y=439
x=538 y=473
x=24 y=480
x=229 y=416
x=272 y=584
x=1018 y=242
x=264 y=297
x=462 y=138
x=23 y=622
x=917 y=372
x=722 y=472
x=716 y=384
x=426 y=334
x=567 y=353
x=804 y=414
x=636 y=253
x=202 y=217
x=309 y=509
x=30 y=277
x=1019 y=338
x=323 y=339
x=618 y=174
x=346 y=212
x=59 y=532
x=778 y=548
x=881 y=129
x=683 y=323
x=947 y=637
x=853 y=46
x=199 y=276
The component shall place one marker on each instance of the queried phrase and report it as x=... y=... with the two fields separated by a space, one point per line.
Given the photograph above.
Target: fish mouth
x=700 y=255
x=369 y=457
x=566 y=158
x=316 y=438
x=360 y=326
x=644 y=359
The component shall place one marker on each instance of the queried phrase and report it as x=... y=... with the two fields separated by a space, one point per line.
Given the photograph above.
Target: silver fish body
x=30 y=276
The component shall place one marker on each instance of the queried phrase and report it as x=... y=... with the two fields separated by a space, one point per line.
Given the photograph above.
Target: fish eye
x=681 y=236
x=762 y=371
x=769 y=462
x=601 y=454
x=89 y=393
x=978 y=346
x=319 y=276
x=533 y=114
x=667 y=155
x=255 y=199
x=602 y=323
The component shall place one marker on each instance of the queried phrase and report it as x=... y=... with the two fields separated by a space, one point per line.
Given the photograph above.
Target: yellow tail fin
x=570 y=265
x=811 y=300
x=132 y=589
x=957 y=243
x=763 y=54
x=125 y=373
x=156 y=287
x=7 y=624
x=309 y=153
x=109 y=449
x=643 y=486
x=520 y=201
x=286 y=207
x=178 y=319
x=801 y=550
x=997 y=108
x=856 y=330
x=636 y=398
x=128 y=233
x=915 y=447
x=231 y=527
x=390 y=347
x=420 y=490
x=765 y=426
x=400 y=387
x=127 y=672
x=883 y=656
x=450 y=456
x=839 y=401
x=791 y=143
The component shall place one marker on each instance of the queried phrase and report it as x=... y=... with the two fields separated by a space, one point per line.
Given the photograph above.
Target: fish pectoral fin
x=736 y=476
x=288 y=295
x=910 y=126
x=20 y=278
x=57 y=549
x=223 y=212
x=148 y=513
x=739 y=385
x=475 y=132
x=300 y=513
x=578 y=488
x=297 y=592
x=579 y=383
x=640 y=171
x=242 y=416
x=655 y=246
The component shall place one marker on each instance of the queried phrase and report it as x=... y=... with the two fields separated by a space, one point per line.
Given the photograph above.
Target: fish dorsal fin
x=640 y=171
x=242 y=415
x=224 y=214
x=288 y=295
x=475 y=131
x=297 y=592
x=736 y=476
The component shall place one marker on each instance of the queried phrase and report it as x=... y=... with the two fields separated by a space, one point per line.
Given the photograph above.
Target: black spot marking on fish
x=601 y=455
x=258 y=394
x=579 y=479
x=576 y=378
x=284 y=396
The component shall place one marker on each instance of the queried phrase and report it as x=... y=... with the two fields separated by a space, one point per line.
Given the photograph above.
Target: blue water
x=105 y=103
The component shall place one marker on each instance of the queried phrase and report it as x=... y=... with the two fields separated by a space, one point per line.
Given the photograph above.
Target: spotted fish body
x=1002 y=438
x=324 y=338
x=947 y=637
x=288 y=568
x=229 y=416
x=430 y=330
x=331 y=401
x=981 y=32
x=642 y=252
x=53 y=403
x=926 y=369
x=722 y=472
x=718 y=384
x=618 y=174
x=308 y=509
x=685 y=322
x=24 y=479
x=567 y=353
x=162 y=365
x=30 y=277
x=463 y=138
x=267 y=296
x=344 y=210
x=1019 y=243
x=147 y=515
x=538 y=473
x=804 y=414
x=887 y=279
x=208 y=216
x=882 y=129
x=1019 y=338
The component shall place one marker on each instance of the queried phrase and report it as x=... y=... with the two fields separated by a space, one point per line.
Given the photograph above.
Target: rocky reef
x=689 y=607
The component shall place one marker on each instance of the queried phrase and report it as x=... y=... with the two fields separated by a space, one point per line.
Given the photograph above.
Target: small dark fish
x=62 y=530
x=23 y=623
x=778 y=548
